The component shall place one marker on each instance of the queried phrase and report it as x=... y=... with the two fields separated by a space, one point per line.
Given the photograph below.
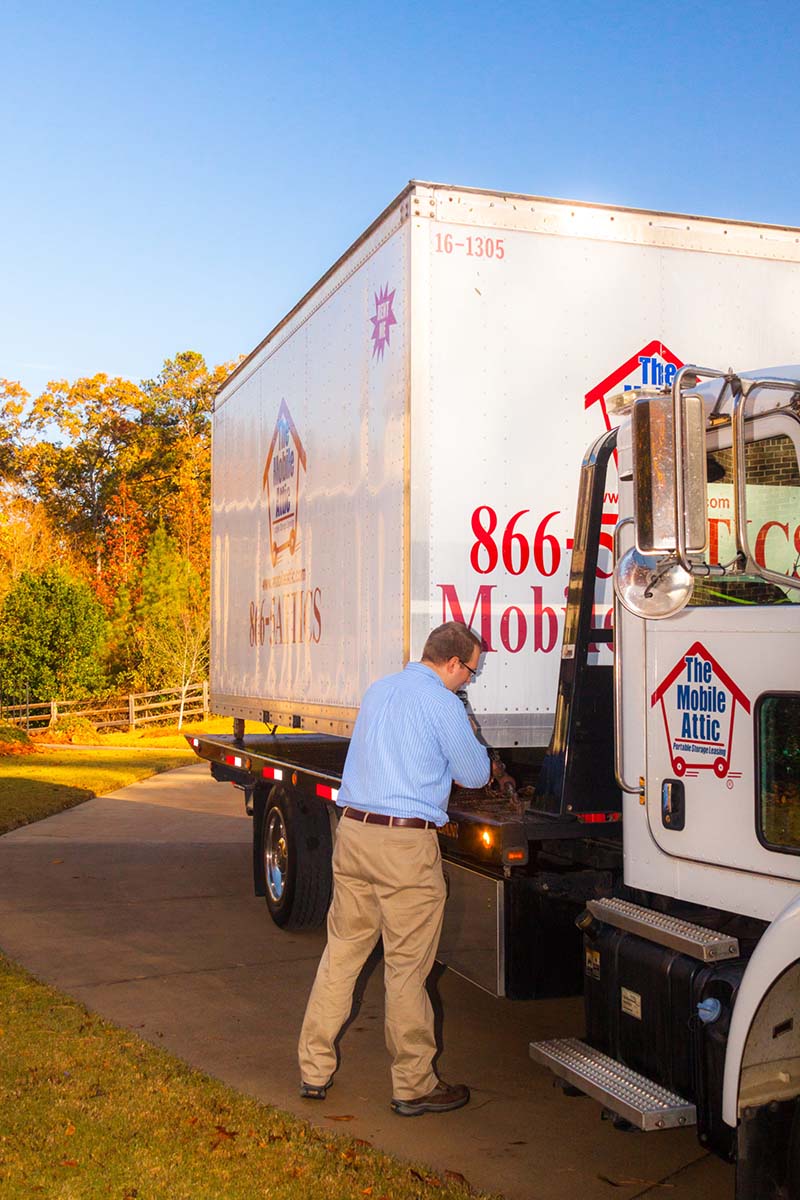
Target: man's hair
x=451 y=640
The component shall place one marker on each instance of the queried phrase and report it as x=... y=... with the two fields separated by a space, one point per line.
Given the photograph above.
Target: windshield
x=773 y=514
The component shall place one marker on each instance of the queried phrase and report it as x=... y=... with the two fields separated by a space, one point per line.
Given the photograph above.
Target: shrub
x=68 y=730
x=52 y=634
x=15 y=741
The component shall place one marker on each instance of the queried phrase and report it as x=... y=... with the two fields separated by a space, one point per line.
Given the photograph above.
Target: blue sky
x=176 y=175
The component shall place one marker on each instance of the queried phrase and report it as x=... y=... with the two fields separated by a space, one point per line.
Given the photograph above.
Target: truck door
x=723 y=680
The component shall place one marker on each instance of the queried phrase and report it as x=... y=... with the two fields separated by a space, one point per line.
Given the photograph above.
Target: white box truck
x=409 y=445
x=402 y=447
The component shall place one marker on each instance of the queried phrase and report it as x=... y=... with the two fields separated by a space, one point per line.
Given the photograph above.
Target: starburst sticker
x=383 y=321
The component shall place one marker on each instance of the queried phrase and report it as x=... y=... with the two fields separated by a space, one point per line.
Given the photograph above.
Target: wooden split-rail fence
x=121 y=712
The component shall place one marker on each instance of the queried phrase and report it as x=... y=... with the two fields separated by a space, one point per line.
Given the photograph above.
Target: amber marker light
x=486 y=838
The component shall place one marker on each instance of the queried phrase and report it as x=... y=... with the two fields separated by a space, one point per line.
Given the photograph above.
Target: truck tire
x=793 y=1156
x=296 y=852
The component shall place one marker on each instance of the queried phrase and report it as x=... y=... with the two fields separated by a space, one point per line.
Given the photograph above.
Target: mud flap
x=259 y=805
x=762 y=1153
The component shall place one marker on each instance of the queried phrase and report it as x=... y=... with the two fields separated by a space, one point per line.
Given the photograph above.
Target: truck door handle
x=673 y=804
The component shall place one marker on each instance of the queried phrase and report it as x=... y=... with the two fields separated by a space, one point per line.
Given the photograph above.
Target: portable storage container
x=403 y=448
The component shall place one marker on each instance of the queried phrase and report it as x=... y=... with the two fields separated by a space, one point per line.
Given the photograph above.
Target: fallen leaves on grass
x=430 y=1180
x=223 y=1133
x=156 y=1120
x=14 y=748
x=457 y=1177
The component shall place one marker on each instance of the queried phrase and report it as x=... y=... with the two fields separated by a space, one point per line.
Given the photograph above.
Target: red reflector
x=598 y=818
x=272 y=773
x=515 y=856
x=327 y=793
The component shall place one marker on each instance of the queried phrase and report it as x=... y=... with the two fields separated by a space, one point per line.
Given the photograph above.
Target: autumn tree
x=113 y=477
x=29 y=541
x=76 y=477
x=171 y=619
x=176 y=449
x=124 y=544
x=13 y=402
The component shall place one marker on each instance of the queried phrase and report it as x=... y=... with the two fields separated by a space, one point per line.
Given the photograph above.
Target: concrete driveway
x=140 y=905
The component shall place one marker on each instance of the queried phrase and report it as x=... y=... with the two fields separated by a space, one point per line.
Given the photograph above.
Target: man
x=412 y=738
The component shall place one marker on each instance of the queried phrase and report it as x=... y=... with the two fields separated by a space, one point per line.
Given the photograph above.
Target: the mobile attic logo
x=282 y=480
x=652 y=366
x=383 y=321
x=698 y=703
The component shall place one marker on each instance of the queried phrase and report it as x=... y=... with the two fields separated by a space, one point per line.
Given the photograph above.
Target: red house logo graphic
x=698 y=704
x=282 y=480
x=653 y=366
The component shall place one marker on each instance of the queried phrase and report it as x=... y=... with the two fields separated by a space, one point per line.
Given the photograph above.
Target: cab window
x=778 y=770
x=773 y=511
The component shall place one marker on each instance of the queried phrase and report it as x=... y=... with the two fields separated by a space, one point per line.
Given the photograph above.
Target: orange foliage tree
x=108 y=463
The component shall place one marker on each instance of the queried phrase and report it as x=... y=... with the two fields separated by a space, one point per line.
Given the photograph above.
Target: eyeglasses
x=472 y=671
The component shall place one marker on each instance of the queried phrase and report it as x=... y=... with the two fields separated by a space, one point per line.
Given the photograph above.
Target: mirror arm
x=713 y=570
x=678 y=440
x=716 y=412
x=739 y=397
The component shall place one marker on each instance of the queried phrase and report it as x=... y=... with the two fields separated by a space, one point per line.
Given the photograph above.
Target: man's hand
x=501 y=778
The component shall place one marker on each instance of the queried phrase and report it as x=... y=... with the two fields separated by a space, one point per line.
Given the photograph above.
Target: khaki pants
x=387 y=882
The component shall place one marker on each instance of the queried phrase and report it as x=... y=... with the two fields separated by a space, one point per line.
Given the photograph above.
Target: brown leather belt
x=371 y=818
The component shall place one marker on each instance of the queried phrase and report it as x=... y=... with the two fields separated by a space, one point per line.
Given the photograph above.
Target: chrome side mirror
x=651 y=588
x=655 y=480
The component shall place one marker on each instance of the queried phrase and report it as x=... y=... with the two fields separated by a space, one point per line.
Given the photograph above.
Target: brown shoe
x=444 y=1098
x=315 y=1091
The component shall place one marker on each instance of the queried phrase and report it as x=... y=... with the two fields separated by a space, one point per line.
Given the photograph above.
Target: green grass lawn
x=91 y=1111
x=47 y=781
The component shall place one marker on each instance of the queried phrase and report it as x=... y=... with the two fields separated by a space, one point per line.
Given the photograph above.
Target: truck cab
x=692 y=973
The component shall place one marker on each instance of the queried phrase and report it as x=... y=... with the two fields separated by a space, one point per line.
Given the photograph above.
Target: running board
x=695 y=940
x=637 y=1099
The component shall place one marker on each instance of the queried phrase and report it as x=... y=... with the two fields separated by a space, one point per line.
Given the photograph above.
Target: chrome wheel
x=293 y=857
x=276 y=855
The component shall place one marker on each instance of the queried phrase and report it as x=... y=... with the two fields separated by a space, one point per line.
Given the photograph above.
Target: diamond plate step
x=639 y=1100
x=694 y=940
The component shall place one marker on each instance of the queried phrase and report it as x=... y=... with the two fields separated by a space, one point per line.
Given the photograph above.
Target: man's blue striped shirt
x=411 y=739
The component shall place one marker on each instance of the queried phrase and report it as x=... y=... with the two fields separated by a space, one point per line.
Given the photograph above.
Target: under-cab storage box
x=404 y=447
